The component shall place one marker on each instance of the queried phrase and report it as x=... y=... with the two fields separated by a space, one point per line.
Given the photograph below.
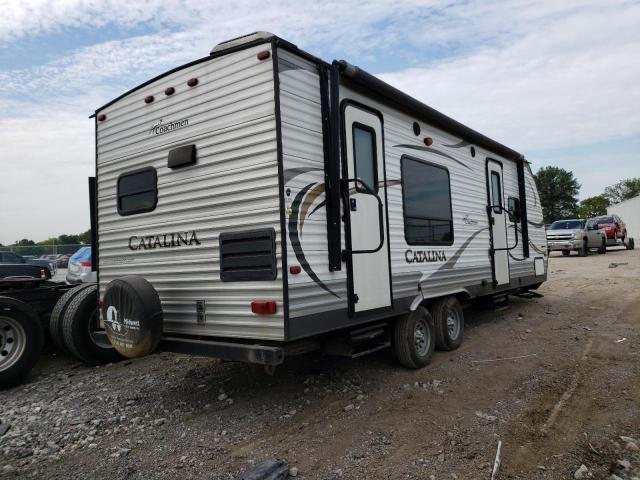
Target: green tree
x=593 y=206
x=68 y=240
x=25 y=242
x=623 y=190
x=558 y=190
x=85 y=237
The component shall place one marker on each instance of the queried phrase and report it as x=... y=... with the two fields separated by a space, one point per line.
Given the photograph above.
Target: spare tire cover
x=132 y=316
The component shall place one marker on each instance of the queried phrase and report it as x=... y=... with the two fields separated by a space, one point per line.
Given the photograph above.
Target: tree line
x=558 y=190
x=27 y=246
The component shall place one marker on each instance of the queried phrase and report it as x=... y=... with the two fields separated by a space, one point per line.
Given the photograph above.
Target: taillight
x=263 y=308
x=85 y=264
x=43 y=274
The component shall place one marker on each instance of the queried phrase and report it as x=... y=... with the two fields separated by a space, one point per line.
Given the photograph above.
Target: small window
x=426 y=196
x=137 y=192
x=496 y=190
x=513 y=208
x=364 y=153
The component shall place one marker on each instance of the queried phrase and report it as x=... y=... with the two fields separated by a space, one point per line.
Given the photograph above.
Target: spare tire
x=79 y=321
x=57 y=315
x=132 y=316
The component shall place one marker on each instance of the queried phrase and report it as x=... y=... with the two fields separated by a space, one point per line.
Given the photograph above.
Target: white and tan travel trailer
x=256 y=202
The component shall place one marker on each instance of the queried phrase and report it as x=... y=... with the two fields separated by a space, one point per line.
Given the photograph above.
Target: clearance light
x=148 y=99
x=263 y=55
x=192 y=82
x=102 y=117
x=169 y=91
x=295 y=269
x=428 y=141
x=263 y=308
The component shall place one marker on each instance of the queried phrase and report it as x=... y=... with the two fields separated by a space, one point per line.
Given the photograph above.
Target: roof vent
x=234 y=42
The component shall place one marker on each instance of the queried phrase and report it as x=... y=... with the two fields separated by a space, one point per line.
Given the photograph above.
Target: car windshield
x=566 y=225
x=604 y=220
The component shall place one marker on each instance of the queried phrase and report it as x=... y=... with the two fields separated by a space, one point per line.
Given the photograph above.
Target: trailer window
x=496 y=190
x=426 y=196
x=364 y=153
x=137 y=192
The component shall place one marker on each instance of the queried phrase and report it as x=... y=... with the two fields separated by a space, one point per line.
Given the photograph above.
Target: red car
x=613 y=226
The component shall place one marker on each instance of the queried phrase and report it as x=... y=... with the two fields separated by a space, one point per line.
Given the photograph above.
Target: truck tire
x=132 y=316
x=76 y=329
x=584 y=249
x=631 y=243
x=448 y=320
x=413 y=339
x=21 y=341
x=57 y=315
x=602 y=249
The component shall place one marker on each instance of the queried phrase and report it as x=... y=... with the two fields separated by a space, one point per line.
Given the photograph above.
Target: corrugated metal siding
x=233 y=187
x=304 y=165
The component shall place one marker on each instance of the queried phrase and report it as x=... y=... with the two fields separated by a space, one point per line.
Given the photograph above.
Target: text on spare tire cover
x=163 y=240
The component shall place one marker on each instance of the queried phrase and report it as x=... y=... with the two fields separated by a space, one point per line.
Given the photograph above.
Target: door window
x=364 y=153
x=496 y=190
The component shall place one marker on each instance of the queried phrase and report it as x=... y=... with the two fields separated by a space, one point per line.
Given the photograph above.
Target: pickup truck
x=20 y=264
x=576 y=234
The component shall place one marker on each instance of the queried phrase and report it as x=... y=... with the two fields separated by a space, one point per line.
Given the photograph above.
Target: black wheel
x=584 y=249
x=21 y=340
x=448 y=321
x=602 y=249
x=57 y=314
x=79 y=321
x=413 y=339
x=566 y=253
x=631 y=244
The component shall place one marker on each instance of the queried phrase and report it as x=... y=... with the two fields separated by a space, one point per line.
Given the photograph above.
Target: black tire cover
x=132 y=316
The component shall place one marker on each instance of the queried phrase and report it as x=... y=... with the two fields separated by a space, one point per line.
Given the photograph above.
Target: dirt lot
x=556 y=379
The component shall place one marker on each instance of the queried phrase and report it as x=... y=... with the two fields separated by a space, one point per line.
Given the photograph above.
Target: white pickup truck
x=576 y=234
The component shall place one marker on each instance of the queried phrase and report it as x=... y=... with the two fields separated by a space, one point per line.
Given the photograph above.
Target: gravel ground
x=555 y=379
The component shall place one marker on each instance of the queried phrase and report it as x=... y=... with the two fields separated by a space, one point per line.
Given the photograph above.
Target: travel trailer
x=259 y=203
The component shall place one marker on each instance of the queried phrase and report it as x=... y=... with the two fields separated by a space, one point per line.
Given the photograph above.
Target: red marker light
x=192 y=82
x=169 y=91
x=263 y=55
x=295 y=269
x=263 y=308
x=102 y=117
x=428 y=141
x=148 y=99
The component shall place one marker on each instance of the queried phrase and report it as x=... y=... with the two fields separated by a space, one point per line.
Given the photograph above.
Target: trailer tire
x=21 y=341
x=132 y=315
x=76 y=329
x=413 y=339
x=448 y=319
x=57 y=315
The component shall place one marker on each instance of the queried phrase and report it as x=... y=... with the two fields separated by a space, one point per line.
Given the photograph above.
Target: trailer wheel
x=448 y=319
x=413 y=339
x=21 y=340
x=132 y=316
x=79 y=319
x=57 y=315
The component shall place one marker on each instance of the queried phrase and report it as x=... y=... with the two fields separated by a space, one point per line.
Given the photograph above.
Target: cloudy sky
x=558 y=81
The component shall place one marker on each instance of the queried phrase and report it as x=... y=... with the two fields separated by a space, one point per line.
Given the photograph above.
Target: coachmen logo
x=164 y=240
x=160 y=127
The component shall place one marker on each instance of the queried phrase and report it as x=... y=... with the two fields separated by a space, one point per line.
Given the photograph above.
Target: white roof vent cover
x=234 y=42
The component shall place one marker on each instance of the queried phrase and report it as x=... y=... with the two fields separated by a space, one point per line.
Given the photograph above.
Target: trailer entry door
x=498 y=223
x=364 y=190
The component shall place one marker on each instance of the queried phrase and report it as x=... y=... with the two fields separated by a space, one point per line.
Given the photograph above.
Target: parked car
x=14 y=258
x=575 y=234
x=614 y=228
x=79 y=270
x=63 y=260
